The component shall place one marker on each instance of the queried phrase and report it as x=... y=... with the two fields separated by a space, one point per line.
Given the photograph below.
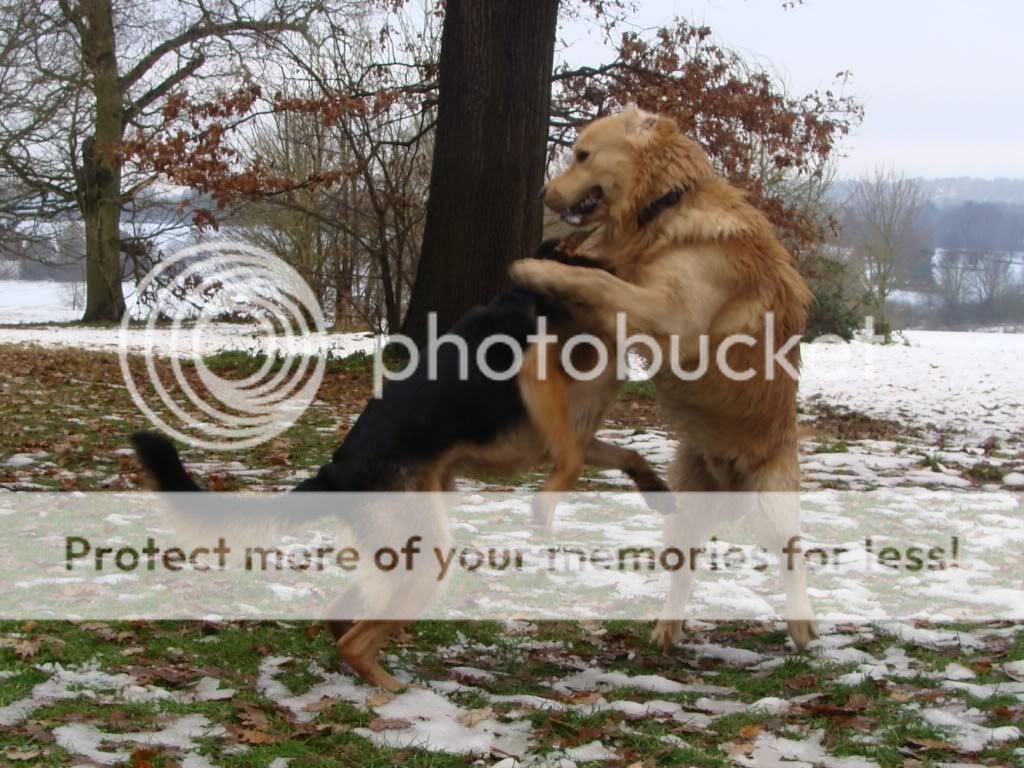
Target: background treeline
x=392 y=151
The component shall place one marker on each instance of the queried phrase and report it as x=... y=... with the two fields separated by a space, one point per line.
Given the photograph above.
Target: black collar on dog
x=650 y=212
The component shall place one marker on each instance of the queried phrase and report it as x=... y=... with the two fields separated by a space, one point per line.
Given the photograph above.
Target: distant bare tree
x=954 y=270
x=993 y=280
x=77 y=75
x=884 y=231
x=355 y=239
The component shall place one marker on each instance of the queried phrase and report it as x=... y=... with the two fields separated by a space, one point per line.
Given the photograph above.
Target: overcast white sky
x=941 y=81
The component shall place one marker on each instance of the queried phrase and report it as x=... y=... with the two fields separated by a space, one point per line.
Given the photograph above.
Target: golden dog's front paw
x=667 y=633
x=803 y=631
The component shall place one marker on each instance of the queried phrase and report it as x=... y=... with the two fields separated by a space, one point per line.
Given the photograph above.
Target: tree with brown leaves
x=77 y=75
x=494 y=134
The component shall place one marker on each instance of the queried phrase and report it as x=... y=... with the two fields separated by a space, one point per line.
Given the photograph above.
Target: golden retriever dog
x=693 y=262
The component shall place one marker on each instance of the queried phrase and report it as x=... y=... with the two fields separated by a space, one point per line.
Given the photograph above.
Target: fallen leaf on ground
x=18 y=755
x=801 y=682
x=476 y=716
x=931 y=744
x=26 y=650
x=252 y=736
x=143 y=758
x=750 y=731
x=380 y=699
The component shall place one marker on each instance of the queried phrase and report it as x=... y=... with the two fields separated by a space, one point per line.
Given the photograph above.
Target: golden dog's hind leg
x=686 y=531
x=546 y=396
x=777 y=485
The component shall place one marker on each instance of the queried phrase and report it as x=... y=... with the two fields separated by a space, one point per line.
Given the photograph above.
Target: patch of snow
x=770 y=751
x=78 y=682
x=737 y=657
x=474 y=674
x=20 y=460
x=36 y=301
x=181 y=733
x=770 y=705
x=595 y=679
x=591 y=752
x=333 y=686
x=1014 y=479
x=436 y=724
x=962 y=381
x=956 y=671
x=211 y=339
x=987 y=691
x=968 y=735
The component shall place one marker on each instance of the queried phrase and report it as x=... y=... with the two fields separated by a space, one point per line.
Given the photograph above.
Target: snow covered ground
x=36 y=301
x=214 y=337
x=968 y=382
x=33 y=303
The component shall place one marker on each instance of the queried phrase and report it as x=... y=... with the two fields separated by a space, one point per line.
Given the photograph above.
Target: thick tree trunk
x=489 y=155
x=100 y=180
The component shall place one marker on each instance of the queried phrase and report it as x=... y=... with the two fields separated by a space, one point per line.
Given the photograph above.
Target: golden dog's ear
x=637 y=120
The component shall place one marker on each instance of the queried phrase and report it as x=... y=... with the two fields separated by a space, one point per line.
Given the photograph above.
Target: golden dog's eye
x=582 y=155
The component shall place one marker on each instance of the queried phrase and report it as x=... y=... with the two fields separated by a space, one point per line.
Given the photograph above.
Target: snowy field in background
x=36 y=301
x=32 y=302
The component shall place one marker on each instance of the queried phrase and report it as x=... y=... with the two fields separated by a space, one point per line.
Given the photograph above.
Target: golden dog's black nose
x=543 y=191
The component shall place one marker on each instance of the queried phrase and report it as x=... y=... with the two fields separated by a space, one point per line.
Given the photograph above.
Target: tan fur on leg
x=547 y=402
x=361 y=647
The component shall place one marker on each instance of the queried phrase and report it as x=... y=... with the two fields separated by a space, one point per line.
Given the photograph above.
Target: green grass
x=831 y=444
x=232 y=653
x=985 y=472
x=639 y=390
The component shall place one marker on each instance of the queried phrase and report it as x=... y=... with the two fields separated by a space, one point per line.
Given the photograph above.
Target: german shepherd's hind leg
x=360 y=648
x=394 y=598
x=655 y=491
x=547 y=403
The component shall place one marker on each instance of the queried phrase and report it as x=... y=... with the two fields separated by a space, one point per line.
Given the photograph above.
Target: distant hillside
x=954 y=191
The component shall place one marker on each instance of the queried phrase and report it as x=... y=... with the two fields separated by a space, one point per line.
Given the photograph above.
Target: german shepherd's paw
x=659 y=497
x=533 y=273
x=667 y=633
x=803 y=631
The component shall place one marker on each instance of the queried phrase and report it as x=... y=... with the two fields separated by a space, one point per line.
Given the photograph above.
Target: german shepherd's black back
x=417 y=418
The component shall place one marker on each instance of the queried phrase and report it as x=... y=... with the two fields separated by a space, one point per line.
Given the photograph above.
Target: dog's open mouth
x=584 y=207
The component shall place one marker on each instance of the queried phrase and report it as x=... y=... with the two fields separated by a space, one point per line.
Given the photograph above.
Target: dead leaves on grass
x=22 y=755
x=388 y=724
x=801 y=682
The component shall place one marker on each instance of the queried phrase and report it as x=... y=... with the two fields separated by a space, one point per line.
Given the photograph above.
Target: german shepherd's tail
x=259 y=518
x=160 y=460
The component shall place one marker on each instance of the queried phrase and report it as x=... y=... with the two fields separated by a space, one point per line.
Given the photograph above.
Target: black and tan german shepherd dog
x=425 y=431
